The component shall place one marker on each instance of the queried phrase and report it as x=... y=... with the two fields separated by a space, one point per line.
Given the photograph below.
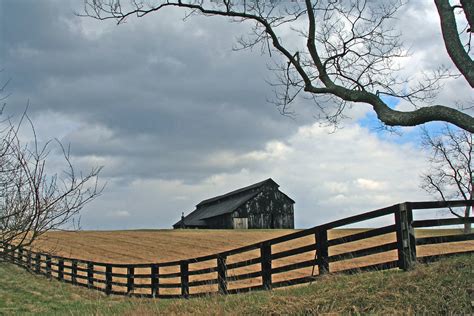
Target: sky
x=175 y=115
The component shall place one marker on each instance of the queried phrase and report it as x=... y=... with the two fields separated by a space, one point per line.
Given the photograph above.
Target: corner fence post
x=222 y=274
x=184 y=267
x=155 y=270
x=108 y=279
x=266 y=255
x=322 y=251
x=130 y=279
x=406 y=242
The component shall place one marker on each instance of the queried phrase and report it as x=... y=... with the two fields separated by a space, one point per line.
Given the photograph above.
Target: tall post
x=20 y=255
x=11 y=252
x=108 y=279
x=266 y=264
x=322 y=251
x=184 y=267
x=38 y=263
x=28 y=259
x=406 y=242
x=61 y=269
x=48 y=265
x=222 y=274
x=90 y=274
x=154 y=280
x=74 y=272
x=131 y=279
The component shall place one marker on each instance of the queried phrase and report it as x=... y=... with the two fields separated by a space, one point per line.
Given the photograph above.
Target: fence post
x=184 y=267
x=222 y=274
x=154 y=280
x=90 y=274
x=60 y=268
x=38 y=263
x=74 y=272
x=130 y=279
x=28 y=259
x=108 y=279
x=322 y=251
x=11 y=253
x=266 y=264
x=19 y=256
x=405 y=236
x=48 y=265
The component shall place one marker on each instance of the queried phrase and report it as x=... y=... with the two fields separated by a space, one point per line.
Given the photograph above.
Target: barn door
x=241 y=223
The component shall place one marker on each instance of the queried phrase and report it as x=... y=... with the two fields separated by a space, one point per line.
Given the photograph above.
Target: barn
x=260 y=205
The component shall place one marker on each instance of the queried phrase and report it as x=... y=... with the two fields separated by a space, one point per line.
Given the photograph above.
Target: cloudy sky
x=176 y=116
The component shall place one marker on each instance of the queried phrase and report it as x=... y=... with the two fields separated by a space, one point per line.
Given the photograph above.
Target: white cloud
x=330 y=176
x=118 y=214
x=370 y=185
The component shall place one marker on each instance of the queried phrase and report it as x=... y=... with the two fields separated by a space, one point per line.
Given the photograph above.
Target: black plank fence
x=292 y=259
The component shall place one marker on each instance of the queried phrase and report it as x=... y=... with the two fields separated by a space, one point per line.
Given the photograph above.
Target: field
x=139 y=246
x=149 y=246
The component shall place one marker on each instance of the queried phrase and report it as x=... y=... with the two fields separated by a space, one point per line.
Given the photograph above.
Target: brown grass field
x=152 y=246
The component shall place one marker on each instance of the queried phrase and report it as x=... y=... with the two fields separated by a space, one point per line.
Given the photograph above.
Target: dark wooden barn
x=260 y=205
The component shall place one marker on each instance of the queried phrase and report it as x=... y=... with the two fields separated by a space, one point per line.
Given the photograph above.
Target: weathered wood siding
x=269 y=209
x=220 y=222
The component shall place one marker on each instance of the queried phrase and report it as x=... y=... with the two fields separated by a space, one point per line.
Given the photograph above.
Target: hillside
x=438 y=288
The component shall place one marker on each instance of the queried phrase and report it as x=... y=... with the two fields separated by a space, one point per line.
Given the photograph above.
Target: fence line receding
x=292 y=259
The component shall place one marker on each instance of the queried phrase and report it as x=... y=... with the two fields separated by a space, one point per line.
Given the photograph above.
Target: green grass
x=443 y=287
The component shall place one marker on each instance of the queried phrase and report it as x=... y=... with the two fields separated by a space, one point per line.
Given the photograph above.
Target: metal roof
x=250 y=187
x=196 y=218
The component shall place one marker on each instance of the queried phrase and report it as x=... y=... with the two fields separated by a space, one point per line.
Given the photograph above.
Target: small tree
x=450 y=175
x=32 y=200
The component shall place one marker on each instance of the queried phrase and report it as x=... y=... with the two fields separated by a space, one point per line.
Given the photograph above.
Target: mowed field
x=154 y=246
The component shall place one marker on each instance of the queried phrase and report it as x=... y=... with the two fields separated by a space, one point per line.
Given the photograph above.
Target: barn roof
x=223 y=204
x=247 y=188
x=210 y=210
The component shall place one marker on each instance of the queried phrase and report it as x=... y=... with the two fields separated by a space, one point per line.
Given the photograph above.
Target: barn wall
x=220 y=222
x=269 y=209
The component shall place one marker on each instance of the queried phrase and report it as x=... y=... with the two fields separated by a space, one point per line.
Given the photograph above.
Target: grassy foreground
x=439 y=288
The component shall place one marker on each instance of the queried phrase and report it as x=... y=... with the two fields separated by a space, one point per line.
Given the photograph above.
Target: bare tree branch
x=33 y=200
x=350 y=54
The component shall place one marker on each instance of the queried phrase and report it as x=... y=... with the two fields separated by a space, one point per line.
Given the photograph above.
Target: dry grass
x=139 y=246
x=442 y=288
x=151 y=246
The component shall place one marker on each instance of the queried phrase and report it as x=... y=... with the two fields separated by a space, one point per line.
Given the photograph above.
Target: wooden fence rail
x=255 y=265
